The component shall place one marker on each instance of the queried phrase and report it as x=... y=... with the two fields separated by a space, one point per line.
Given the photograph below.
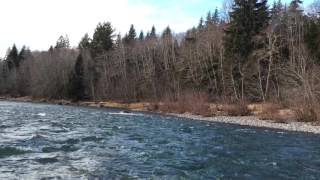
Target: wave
x=124 y=113
x=41 y=114
x=47 y=160
x=10 y=151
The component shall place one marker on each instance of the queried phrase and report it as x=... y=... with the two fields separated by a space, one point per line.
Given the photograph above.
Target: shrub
x=195 y=103
x=239 y=109
x=273 y=112
x=307 y=114
x=153 y=107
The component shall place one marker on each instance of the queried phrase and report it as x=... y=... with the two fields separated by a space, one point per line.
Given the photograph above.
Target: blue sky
x=193 y=7
x=39 y=23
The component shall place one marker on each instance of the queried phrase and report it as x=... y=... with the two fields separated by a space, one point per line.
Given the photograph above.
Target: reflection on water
x=39 y=141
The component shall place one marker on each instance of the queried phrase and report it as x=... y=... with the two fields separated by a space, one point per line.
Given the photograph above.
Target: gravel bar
x=255 y=122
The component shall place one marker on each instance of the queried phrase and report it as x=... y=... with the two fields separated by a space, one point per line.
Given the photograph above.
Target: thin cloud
x=38 y=23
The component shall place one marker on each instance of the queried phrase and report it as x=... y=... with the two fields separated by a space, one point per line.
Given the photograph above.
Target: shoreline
x=250 y=121
x=253 y=121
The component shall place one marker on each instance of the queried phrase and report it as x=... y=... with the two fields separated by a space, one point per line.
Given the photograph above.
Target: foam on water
x=42 y=114
x=122 y=113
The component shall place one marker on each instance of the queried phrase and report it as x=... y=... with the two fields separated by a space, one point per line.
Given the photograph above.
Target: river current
x=41 y=141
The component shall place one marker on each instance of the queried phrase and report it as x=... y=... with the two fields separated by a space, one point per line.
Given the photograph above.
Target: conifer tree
x=215 y=16
x=141 y=36
x=118 y=41
x=248 y=19
x=262 y=15
x=132 y=33
x=276 y=9
x=77 y=87
x=51 y=49
x=102 y=38
x=209 y=19
x=13 y=58
x=85 y=42
x=153 y=33
x=201 y=23
x=148 y=35
x=63 y=42
x=24 y=54
x=312 y=38
x=167 y=32
x=131 y=36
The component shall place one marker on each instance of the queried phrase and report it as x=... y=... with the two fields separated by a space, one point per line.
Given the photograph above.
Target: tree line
x=253 y=53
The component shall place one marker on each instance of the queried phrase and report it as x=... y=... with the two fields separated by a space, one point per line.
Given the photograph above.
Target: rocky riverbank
x=256 y=122
x=253 y=120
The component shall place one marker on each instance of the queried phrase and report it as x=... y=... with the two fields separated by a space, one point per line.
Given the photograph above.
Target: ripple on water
x=37 y=140
x=70 y=141
x=91 y=139
x=10 y=151
x=47 y=160
x=63 y=148
x=4 y=126
x=50 y=149
x=161 y=141
x=137 y=137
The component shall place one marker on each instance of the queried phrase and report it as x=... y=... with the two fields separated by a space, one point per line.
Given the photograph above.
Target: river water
x=41 y=141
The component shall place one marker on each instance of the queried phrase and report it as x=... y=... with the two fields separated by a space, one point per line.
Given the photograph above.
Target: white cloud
x=38 y=23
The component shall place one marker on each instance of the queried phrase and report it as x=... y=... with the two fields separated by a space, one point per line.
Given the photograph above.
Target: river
x=42 y=141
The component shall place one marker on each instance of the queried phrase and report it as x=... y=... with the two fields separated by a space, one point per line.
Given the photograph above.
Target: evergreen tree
x=131 y=36
x=167 y=33
x=118 y=41
x=201 y=23
x=262 y=15
x=77 y=87
x=85 y=42
x=13 y=58
x=132 y=33
x=215 y=16
x=102 y=38
x=209 y=19
x=24 y=54
x=63 y=42
x=153 y=33
x=141 y=36
x=148 y=35
x=51 y=49
x=126 y=38
x=312 y=38
x=276 y=9
x=248 y=19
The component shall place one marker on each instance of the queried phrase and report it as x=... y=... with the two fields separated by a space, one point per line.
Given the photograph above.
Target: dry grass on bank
x=188 y=103
x=308 y=112
x=275 y=112
x=198 y=104
x=238 y=109
x=297 y=111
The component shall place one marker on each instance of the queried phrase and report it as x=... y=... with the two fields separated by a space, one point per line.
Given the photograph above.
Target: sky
x=39 y=23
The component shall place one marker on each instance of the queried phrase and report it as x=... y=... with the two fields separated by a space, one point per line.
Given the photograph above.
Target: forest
x=255 y=52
